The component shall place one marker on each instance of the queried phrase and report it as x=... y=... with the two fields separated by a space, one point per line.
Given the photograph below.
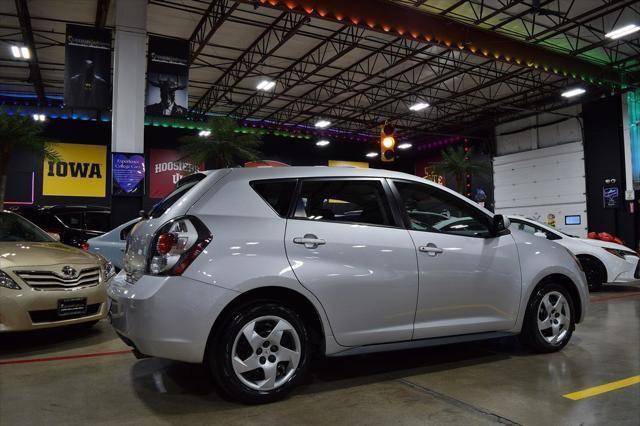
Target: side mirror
x=500 y=223
x=540 y=234
x=54 y=235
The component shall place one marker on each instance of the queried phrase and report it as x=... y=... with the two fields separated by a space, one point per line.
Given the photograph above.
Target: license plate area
x=72 y=307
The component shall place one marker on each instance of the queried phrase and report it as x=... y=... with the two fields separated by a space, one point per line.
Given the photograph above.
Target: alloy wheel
x=266 y=353
x=554 y=317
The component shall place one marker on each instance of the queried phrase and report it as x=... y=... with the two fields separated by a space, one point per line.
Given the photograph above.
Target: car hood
x=40 y=254
x=604 y=244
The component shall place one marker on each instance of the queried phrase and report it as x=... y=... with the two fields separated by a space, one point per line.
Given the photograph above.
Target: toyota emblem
x=69 y=272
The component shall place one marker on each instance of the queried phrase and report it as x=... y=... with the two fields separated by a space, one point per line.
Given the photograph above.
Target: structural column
x=129 y=66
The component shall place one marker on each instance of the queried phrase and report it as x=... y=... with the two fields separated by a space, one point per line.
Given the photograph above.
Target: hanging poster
x=87 y=67
x=80 y=171
x=167 y=77
x=611 y=197
x=165 y=170
x=127 y=174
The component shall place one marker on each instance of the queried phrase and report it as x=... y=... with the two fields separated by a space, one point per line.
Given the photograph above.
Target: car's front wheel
x=260 y=353
x=550 y=318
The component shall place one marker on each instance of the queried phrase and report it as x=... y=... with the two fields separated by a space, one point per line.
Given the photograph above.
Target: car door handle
x=431 y=249
x=310 y=241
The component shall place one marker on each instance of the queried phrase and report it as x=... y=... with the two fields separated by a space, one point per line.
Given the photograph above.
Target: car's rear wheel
x=550 y=318
x=260 y=354
x=595 y=272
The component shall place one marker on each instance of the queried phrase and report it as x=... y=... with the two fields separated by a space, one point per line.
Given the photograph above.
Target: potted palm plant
x=20 y=131
x=458 y=163
x=223 y=147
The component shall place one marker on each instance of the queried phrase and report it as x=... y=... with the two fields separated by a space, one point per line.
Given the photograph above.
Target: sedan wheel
x=554 y=317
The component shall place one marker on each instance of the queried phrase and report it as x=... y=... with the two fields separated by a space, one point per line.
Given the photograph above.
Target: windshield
x=16 y=228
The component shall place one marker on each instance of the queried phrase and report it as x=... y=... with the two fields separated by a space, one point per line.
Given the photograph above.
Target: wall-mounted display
x=165 y=170
x=87 y=81
x=167 y=77
x=80 y=172
x=127 y=174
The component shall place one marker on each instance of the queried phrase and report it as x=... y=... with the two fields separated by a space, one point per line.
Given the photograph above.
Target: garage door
x=545 y=184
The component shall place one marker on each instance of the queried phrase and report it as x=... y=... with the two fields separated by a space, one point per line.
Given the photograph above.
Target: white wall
x=539 y=170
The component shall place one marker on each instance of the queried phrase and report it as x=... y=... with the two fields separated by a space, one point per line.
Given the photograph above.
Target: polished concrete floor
x=75 y=377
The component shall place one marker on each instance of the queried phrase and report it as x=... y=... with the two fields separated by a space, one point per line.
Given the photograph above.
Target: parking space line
x=607 y=387
x=63 y=358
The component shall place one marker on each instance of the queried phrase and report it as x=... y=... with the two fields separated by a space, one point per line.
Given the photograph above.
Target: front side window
x=530 y=229
x=432 y=210
x=357 y=201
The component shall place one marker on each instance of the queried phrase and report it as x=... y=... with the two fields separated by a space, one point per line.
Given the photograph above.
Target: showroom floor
x=73 y=377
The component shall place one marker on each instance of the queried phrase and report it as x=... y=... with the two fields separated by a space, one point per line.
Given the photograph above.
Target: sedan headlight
x=8 y=282
x=620 y=253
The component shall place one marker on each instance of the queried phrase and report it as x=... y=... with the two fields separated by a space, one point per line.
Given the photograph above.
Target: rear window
x=164 y=205
x=277 y=194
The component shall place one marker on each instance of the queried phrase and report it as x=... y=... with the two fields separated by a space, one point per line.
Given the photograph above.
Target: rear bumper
x=166 y=317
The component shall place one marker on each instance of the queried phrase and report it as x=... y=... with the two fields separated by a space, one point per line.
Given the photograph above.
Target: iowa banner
x=81 y=171
x=167 y=77
x=87 y=70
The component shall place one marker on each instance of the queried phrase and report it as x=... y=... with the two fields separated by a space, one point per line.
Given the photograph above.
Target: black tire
x=531 y=335
x=220 y=351
x=595 y=272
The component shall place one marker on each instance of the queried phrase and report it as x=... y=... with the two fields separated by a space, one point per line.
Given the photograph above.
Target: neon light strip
x=33 y=193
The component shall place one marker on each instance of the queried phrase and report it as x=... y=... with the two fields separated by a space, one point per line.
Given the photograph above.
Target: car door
x=469 y=278
x=347 y=247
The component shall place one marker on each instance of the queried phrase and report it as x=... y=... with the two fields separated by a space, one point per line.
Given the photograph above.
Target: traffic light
x=387 y=143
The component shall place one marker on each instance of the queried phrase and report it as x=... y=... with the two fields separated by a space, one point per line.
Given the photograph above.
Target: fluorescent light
x=419 y=106
x=323 y=124
x=25 y=52
x=266 y=85
x=621 y=32
x=372 y=154
x=35 y=117
x=15 y=51
x=39 y=117
x=42 y=117
x=405 y=145
x=573 y=92
x=204 y=133
x=323 y=142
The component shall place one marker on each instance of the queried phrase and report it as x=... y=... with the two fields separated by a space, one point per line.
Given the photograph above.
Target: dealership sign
x=127 y=171
x=165 y=170
x=79 y=172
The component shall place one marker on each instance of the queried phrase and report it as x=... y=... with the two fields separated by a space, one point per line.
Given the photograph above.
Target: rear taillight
x=176 y=245
x=84 y=246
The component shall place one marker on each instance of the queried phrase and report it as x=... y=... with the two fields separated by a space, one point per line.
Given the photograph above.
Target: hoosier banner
x=81 y=171
x=165 y=170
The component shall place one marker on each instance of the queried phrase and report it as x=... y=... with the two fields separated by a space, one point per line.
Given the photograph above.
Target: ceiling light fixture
x=323 y=142
x=39 y=117
x=372 y=154
x=623 y=31
x=322 y=124
x=20 y=52
x=266 y=85
x=419 y=106
x=26 y=54
x=573 y=92
x=204 y=133
x=405 y=145
x=15 y=51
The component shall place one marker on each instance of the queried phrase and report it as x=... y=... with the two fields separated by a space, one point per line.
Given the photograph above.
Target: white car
x=112 y=244
x=252 y=271
x=602 y=261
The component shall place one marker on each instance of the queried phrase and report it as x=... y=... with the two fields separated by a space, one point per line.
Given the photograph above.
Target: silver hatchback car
x=251 y=271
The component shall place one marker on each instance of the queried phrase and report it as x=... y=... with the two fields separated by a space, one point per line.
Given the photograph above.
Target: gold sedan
x=44 y=283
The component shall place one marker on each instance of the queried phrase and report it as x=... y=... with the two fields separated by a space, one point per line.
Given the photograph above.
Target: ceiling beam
x=397 y=19
x=35 y=77
x=102 y=11
x=215 y=15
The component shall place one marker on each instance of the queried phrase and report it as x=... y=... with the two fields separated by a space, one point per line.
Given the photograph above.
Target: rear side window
x=357 y=201
x=159 y=209
x=277 y=194
x=72 y=220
